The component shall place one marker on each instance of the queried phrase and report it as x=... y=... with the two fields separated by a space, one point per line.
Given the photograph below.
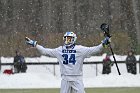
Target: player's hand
x=30 y=42
x=106 y=41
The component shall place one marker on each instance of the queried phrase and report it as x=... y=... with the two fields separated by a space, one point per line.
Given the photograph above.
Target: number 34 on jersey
x=69 y=59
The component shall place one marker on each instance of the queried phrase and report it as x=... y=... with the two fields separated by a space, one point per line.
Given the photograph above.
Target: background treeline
x=47 y=20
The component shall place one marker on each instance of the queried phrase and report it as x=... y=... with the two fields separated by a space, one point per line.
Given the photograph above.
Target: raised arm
x=46 y=51
x=41 y=49
x=88 y=51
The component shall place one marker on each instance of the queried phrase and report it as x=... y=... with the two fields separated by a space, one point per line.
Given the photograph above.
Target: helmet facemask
x=69 y=39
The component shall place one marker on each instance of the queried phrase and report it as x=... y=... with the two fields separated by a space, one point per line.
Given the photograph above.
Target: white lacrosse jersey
x=70 y=60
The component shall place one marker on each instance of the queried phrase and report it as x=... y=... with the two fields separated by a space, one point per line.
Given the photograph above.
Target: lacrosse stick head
x=105 y=28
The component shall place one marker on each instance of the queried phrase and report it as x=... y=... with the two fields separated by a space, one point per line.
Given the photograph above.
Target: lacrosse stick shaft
x=114 y=59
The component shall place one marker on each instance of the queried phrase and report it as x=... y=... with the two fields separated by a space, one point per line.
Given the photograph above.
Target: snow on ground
x=28 y=80
x=41 y=80
x=45 y=76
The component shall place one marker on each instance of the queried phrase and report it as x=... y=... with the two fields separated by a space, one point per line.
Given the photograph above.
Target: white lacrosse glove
x=30 y=42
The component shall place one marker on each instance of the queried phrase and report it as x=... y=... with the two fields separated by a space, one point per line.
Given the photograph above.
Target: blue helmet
x=69 y=38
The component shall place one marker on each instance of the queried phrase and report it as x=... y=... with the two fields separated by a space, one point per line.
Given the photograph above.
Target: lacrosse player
x=70 y=58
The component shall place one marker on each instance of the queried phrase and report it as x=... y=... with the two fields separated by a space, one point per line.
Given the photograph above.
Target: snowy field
x=48 y=76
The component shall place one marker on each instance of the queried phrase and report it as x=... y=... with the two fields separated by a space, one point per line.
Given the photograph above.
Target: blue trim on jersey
x=72 y=46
